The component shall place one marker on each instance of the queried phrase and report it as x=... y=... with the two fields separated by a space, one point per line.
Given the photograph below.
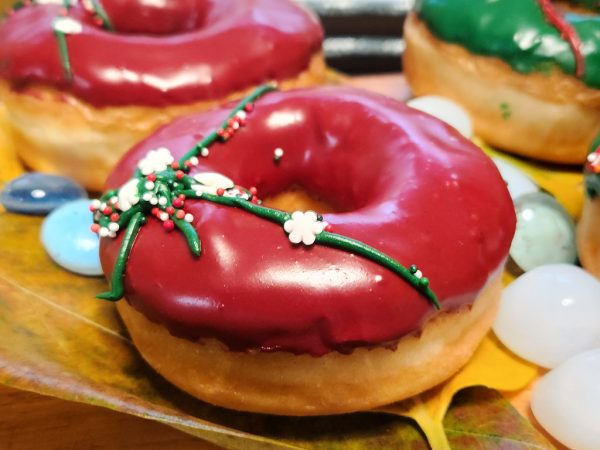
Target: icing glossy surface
x=406 y=184
x=517 y=32
x=180 y=52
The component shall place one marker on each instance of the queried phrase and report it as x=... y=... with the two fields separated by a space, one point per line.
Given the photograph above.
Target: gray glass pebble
x=39 y=193
x=545 y=232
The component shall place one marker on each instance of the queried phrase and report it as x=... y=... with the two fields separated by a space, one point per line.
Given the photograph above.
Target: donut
x=528 y=74
x=85 y=82
x=293 y=312
x=588 y=236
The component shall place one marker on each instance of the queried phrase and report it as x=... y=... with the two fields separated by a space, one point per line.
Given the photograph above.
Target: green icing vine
x=161 y=186
x=102 y=17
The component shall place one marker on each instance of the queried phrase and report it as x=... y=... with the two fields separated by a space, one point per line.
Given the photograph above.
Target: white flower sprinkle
x=194 y=161
x=128 y=195
x=95 y=204
x=113 y=226
x=103 y=232
x=149 y=185
x=163 y=216
x=419 y=274
x=147 y=197
x=204 y=152
x=210 y=182
x=188 y=218
x=278 y=153
x=153 y=201
x=156 y=161
x=241 y=114
x=304 y=227
x=67 y=25
x=162 y=201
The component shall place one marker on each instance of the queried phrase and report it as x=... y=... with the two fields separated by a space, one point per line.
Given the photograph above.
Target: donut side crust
x=547 y=116
x=58 y=133
x=302 y=385
x=588 y=236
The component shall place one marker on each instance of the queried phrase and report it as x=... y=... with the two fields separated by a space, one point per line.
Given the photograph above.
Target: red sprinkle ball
x=593 y=161
x=235 y=123
x=169 y=225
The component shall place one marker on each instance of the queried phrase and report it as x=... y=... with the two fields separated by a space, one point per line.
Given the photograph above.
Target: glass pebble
x=67 y=238
x=39 y=193
x=550 y=314
x=545 y=232
x=516 y=181
x=446 y=110
x=566 y=401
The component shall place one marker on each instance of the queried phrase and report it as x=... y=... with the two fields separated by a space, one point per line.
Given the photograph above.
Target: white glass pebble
x=550 y=314
x=545 y=232
x=446 y=110
x=566 y=401
x=516 y=181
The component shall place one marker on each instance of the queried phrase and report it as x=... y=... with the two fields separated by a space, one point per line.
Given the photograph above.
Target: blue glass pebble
x=67 y=238
x=39 y=193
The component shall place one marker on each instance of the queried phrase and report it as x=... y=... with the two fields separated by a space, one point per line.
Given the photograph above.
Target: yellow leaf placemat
x=57 y=339
x=10 y=167
x=565 y=183
x=492 y=366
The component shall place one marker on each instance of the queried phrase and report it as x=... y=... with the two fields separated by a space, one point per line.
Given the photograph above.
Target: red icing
x=410 y=186
x=567 y=32
x=213 y=48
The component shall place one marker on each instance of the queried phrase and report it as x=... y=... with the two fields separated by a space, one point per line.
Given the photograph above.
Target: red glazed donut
x=258 y=323
x=127 y=67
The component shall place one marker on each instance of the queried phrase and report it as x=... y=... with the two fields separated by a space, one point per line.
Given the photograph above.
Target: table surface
x=30 y=421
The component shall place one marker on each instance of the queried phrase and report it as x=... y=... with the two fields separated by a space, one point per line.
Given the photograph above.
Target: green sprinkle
x=505 y=110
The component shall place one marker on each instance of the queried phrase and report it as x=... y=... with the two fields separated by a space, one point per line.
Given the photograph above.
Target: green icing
x=515 y=31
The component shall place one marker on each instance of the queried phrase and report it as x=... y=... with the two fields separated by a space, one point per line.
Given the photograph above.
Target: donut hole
x=296 y=198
